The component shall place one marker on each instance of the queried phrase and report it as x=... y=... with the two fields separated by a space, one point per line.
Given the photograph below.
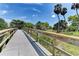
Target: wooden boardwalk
x=19 y=45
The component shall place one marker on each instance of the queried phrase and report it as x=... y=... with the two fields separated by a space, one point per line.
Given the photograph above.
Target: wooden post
x=1 y=48
x=54 y=42
x=28 y=30
x=37 y=37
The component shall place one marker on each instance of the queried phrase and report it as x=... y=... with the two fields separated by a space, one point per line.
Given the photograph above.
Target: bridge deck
x=19 y=45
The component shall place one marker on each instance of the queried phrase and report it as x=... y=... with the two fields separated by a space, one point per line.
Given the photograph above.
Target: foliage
x=72 y=49
x=17 y=24
x=50 y=27
x=42 y=25
x=58 y=9
x=3 y=24
x=73 y=18
x=28 y=25
x=63 y=11
x=74 y=23
x=72 y=28
x=75 y=6
x=63 y=25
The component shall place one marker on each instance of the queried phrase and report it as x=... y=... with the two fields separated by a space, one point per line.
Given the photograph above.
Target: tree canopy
x=3 y=24
x=63 y=25
x=42 y=25
x=74 y=22
x=17 y=24
x=28 y=25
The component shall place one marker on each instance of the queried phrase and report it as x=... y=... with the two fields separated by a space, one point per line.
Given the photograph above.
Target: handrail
x=3 y=42
x=62 y=35
x=58 y=36
x=58 y=48
x=3 y=33
x=5 y=30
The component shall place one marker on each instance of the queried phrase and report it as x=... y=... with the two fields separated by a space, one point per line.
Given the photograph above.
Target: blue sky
x=32 y=12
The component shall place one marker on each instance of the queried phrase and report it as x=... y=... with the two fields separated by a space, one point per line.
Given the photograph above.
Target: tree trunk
x=64 y=17
x=58 y=30
x=64 y=20
x=77 y=12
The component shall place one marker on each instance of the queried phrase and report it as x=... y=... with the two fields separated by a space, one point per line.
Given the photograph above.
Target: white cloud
x=20 y=17
x=53 y=16
x=33 y=15
x=23 y=17
x=7 y=20
x=34 y=9
x=2 y=12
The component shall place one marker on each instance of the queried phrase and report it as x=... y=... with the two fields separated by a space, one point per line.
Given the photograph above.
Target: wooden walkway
x=19 y=45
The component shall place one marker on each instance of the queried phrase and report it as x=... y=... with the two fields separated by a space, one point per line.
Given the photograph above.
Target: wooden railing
x=56 y=36
x=5 y=36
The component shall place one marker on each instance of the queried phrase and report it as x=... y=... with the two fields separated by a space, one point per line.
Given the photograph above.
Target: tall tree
x=75 y=6
x=38 y=25
x=28 y=25
x=57 y=10
x=3 y=24
x=63 y=12
x=42 y=25
x=63 y=25
x=17 y=24
x=74 y=21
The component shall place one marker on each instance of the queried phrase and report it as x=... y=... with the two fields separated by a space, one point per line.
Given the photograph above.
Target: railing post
x=54 y=41
x=1 y=48
x=37 y=37
x=27 y=30
x=30 y=31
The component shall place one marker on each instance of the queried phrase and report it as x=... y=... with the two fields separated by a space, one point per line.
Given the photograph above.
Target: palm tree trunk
x=64 y=20
x=64 y=17
x=78 y=18
x=77 y=12
x=58 y=30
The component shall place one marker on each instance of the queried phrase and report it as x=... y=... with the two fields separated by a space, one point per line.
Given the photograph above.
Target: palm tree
x=57 y=10
x=63 y=25
x=75 y=6
x=63 y=12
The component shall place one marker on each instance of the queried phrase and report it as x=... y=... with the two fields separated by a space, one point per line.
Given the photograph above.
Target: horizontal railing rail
x=5 y=35
x=58 y=48
x=57 y=36
x=60 y=36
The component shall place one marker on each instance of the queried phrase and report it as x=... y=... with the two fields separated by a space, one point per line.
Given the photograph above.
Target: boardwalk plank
x=19 y=45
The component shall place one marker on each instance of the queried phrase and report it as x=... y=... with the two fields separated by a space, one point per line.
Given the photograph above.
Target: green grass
x=72 y=33
x=74 y=50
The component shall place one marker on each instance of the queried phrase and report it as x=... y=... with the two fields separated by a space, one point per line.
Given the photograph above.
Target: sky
x=33 y=12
